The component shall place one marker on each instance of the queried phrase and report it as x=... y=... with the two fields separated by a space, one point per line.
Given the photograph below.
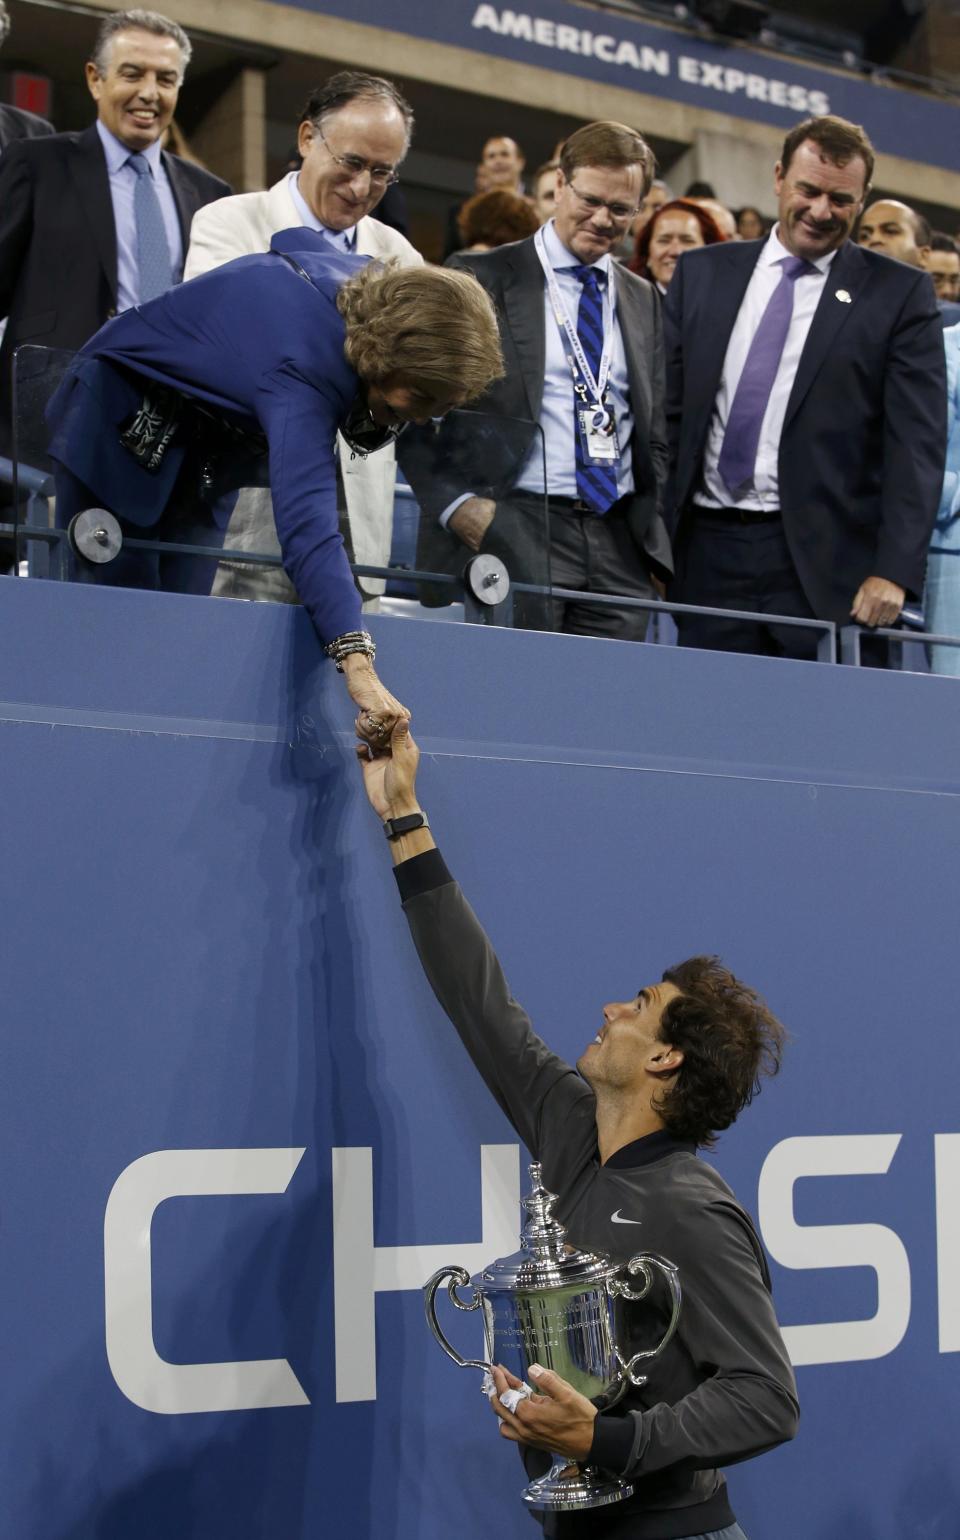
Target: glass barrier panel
x=37 y=373
x=201 y=519
x=476 y=485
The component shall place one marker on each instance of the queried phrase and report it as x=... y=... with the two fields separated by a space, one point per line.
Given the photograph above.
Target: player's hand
x=390 y=773
x=471 y=520
x=379 y=710
x=878 y=602
x=556 y=1418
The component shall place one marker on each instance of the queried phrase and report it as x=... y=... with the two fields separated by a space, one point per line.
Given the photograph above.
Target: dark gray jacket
x=481 y=452
x=723 y=1390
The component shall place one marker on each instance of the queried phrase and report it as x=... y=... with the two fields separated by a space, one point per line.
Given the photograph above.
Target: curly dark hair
x=729 y=1038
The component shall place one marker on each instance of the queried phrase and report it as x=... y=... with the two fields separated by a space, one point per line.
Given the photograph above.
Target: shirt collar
x=342 y=238
x=559 y=256
x=775 y=251
x=118 y=153
x=643 y=1152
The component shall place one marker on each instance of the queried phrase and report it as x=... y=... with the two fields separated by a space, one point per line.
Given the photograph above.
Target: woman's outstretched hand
x=379 y=711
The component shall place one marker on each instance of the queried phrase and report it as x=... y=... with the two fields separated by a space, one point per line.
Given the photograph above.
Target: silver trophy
x=570 y=1311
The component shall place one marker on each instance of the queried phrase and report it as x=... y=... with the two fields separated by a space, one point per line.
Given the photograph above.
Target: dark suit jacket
x=863 y=443
x=442 y=466
x=17 y=124
x=58 y=247
x=265 y=349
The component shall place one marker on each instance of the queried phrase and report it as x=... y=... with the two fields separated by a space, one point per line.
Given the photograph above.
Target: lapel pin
x=843 y=297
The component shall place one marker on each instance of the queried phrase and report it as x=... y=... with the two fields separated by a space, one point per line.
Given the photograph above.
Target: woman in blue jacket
x=247 y=373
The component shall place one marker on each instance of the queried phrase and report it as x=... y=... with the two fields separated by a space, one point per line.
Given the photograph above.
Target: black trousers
x=725 y=564
x=187 y=520
x=565 y=549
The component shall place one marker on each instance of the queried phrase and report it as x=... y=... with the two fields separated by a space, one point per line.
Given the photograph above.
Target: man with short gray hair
x=92 y=223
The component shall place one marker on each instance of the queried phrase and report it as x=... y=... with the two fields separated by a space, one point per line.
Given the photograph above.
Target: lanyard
x=583 y=377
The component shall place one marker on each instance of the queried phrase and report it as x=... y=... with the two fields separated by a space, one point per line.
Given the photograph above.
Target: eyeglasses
x=618 y=211
x=355 y=165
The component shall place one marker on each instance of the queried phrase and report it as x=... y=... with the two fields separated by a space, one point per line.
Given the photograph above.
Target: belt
x=738 y=515
x=577 y=505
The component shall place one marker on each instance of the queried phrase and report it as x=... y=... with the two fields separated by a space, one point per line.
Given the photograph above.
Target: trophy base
x=570 y=1488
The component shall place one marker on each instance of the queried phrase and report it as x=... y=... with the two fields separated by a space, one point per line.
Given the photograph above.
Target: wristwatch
x=394 y=827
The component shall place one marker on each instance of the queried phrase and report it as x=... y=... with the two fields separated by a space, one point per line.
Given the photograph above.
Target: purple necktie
x=738 y=453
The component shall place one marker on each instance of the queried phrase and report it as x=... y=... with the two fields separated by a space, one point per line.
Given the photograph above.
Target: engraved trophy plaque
x=571 y=1311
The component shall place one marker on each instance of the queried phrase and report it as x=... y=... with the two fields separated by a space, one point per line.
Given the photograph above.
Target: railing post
x=850 y=645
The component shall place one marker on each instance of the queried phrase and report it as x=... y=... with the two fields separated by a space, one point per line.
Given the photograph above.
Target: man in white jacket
x=353 y=135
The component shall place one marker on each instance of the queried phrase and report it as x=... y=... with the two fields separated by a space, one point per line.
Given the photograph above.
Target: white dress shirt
x=123 y=182
x=764 y=492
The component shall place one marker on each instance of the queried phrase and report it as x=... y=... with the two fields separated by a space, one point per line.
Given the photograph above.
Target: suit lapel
x=88 y=168
x=182 y=195
x=524 y=316
x=634 y=320
x=847 y=275
x=716 y=317
x=367 y=243
x=281 y=211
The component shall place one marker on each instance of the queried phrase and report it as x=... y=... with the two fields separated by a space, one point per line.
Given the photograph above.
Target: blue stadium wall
x=237 y=1132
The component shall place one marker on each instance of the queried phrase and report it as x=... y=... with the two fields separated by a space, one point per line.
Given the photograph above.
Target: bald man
x=897 y=230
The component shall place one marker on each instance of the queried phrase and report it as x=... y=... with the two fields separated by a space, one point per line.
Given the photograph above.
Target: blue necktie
x=596 y=484
x=153 y=252
x=741 y=438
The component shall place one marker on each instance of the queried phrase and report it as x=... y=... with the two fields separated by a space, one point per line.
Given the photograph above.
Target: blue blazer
x=862 y=449
x=946 y=534
x=264 y=344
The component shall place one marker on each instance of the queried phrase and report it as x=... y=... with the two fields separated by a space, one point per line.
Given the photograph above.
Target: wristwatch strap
x=394 y=827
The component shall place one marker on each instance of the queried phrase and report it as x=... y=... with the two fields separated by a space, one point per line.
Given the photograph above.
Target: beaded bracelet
x=351 y=641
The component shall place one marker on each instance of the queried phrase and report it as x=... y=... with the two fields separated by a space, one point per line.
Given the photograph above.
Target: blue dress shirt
x=556 y=409
x=123 y=181
x=343 y=240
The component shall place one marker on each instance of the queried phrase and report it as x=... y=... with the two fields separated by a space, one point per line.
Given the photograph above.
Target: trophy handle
x=458 y=1278
x=646 y=1264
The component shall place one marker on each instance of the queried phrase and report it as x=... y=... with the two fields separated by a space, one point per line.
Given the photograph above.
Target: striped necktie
x=596 y=484
x=153 y=252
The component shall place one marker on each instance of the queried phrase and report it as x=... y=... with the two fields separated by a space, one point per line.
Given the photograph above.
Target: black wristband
x=394 y=827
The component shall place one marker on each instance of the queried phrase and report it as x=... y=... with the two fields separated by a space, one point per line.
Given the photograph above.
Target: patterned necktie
x=153 y=252
x=596 y=484
x=738 y=453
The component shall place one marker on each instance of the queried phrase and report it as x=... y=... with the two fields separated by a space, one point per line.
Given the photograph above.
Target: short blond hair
x=429 y=326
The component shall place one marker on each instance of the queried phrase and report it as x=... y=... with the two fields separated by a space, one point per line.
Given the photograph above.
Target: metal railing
x=50 y=554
